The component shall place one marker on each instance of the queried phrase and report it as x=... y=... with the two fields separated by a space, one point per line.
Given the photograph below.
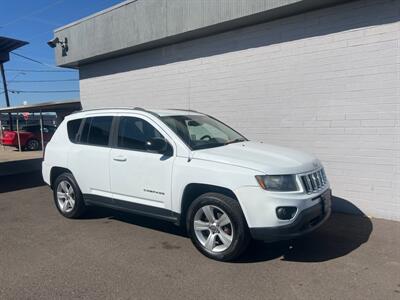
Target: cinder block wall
x=327 y=82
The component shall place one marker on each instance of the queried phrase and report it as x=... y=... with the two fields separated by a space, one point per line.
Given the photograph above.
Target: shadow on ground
x=138 y=220
x=22 y=181
x=340 y=235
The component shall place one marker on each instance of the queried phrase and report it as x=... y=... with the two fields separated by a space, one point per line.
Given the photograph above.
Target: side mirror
x=158 y=145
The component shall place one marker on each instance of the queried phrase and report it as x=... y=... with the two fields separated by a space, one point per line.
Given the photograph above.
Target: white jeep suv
x=188 y=168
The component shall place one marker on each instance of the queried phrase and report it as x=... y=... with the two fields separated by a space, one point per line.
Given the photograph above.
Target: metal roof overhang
x=64 y=106
x=7 y=45
x=138 y=25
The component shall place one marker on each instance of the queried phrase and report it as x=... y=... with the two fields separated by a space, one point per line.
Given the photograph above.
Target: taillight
x=9 y=134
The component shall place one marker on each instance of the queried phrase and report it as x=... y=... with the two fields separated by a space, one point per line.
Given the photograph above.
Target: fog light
x=286 y=212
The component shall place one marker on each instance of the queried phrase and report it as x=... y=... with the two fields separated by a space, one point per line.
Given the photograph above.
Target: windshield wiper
x=234 y=141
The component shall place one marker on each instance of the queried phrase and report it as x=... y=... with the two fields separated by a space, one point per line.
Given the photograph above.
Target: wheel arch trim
x=193 y=190
x=55 y=171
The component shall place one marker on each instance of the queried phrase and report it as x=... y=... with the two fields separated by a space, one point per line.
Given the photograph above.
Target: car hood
x=262 y=157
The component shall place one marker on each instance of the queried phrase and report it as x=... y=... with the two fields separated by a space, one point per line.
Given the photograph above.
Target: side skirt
x=130 y=207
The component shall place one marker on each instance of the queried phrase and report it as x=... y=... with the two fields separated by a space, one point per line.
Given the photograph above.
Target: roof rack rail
x=121 y=107
x=148 y=111
x=182 y=109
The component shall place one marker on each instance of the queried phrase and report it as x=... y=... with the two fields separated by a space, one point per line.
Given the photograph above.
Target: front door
x=140 y=179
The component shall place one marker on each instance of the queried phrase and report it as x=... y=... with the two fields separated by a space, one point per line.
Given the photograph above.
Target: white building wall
x=327 y=82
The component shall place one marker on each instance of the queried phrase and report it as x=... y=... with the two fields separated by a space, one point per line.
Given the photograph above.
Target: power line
x=42 y=92
x=40 y=71
x=28 y=58
x=35 y=12
x=49 y=80
x=47 y=22
x=33 y=60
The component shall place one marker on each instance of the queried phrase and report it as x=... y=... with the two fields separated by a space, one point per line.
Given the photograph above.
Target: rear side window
x=96 y=131
x=73 y=128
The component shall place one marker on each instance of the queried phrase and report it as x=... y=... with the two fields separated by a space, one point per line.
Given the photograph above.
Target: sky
x=33 y=21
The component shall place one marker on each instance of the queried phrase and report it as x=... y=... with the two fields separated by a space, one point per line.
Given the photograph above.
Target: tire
x=68 y=197
x=32 y=145
x=214 y=239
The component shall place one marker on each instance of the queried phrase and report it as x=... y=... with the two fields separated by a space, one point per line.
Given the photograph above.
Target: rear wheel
x=68 y=197
x=32 y=145
x=217 y=226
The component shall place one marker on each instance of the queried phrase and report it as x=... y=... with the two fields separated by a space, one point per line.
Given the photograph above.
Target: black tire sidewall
x=27 y=145
x=233 y=209
x=79 y=207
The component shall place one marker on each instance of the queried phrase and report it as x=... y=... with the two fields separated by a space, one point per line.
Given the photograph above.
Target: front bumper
x=306 y=221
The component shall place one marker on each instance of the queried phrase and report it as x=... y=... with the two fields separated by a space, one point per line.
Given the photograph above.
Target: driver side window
x=134 y=132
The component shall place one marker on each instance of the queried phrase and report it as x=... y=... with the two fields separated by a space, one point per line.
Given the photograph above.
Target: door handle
x=119 y=158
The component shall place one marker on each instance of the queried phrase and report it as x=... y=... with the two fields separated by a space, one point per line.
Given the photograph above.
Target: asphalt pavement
x=112 y=255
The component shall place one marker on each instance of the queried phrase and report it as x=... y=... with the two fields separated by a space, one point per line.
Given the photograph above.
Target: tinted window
x=85 y=130
x=51 y=129
x=134 y=132
x=73 y=128
x=96 y=131
x=99 y=131
x=33 y=129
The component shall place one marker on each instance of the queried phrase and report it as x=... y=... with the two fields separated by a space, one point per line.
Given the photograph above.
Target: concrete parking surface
x=14 y=162
x=12 y=154
x=115 y=255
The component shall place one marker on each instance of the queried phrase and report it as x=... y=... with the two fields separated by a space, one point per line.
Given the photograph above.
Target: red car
x=29 y=136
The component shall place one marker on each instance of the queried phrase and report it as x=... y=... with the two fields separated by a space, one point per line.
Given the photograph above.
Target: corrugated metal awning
x=63 y=106
x=7 y=45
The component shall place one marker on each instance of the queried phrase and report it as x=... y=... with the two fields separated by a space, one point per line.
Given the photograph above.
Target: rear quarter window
x=73 y=128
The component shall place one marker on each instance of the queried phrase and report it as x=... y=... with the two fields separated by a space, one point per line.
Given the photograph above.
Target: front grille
x=315 y=181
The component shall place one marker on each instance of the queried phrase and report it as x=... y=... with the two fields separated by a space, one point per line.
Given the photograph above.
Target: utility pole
x=3 y=76
x=8 y=45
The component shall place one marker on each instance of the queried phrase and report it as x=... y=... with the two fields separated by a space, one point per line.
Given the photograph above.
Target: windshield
x=200 y=131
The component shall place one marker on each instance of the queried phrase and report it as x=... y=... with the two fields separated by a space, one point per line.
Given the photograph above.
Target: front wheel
x=217 y=227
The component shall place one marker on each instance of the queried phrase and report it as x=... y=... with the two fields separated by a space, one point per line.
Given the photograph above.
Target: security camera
x=53 y=42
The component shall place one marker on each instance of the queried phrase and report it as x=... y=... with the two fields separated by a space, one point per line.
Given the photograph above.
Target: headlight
x=279 y=183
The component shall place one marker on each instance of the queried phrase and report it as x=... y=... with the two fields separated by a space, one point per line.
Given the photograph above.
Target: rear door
x=89 y=157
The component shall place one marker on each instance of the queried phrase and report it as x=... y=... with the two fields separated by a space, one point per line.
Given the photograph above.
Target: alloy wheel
x=213 y=228
x=65 y=196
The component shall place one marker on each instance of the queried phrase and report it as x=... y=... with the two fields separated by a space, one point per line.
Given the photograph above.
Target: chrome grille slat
x=315 y=177
x=321 y=177
x=307 y=182
x=318 y=180
x=324 y=175
x=314 y=181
